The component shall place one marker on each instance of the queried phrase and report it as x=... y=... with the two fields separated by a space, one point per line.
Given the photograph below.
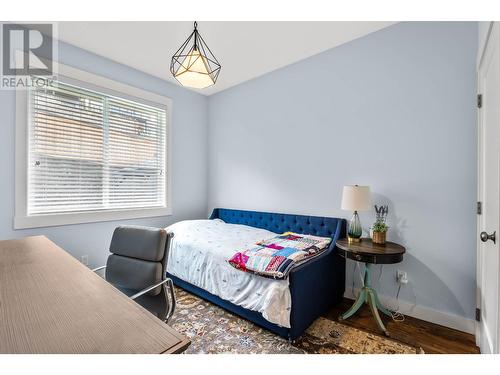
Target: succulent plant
x=379 y=226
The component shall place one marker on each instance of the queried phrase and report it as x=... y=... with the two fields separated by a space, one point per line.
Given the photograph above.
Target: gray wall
x=189 y=168
x=393 y=110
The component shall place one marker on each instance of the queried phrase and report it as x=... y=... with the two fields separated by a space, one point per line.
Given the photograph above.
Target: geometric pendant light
x=194 y=65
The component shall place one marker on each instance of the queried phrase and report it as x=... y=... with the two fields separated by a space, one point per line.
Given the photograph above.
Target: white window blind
x=89 y=151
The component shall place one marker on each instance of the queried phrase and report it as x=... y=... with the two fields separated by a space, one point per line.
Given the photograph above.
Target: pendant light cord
x=195 y=35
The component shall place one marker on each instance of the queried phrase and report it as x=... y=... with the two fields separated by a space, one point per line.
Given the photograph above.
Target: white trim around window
x=76 y=77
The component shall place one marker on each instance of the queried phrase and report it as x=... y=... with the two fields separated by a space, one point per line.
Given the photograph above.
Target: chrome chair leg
x=172 y=302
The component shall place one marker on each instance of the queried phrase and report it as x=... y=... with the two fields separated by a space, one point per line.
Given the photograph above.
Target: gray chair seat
x=157 y=305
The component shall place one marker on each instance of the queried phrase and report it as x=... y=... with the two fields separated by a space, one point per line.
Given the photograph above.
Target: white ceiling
x=245 y=49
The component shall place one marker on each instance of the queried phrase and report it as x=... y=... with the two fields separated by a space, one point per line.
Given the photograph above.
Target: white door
x=489 y=194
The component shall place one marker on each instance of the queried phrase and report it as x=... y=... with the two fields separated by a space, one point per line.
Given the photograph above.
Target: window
x=92 y=155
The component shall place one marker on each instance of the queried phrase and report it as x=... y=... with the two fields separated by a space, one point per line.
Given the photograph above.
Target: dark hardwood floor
x=432 y=338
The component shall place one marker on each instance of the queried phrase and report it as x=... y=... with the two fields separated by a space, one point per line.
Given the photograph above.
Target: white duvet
x=199 y=253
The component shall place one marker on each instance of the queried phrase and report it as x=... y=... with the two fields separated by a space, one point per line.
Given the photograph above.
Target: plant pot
x=378 y=237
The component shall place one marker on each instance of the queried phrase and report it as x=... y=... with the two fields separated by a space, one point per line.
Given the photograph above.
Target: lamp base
x=355 y=231
x=353 y=239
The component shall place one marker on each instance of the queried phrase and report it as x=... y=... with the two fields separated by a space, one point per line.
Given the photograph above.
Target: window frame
x=105 y=86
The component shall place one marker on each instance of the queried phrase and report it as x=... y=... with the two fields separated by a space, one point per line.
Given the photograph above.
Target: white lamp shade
x=356 y=198
x=194 y=71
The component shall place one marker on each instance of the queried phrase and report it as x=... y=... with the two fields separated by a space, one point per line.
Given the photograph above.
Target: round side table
x=370 y=253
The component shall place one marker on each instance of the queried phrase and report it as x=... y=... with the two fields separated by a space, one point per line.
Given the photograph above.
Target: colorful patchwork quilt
x=275 y=257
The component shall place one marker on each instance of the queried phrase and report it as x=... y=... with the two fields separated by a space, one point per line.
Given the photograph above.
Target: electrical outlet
x=401 y=277
x=84 y=259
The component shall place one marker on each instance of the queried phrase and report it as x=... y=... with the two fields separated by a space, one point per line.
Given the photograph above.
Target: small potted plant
x=380 y=227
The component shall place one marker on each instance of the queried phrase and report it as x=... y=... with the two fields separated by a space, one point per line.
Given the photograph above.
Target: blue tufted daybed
x=315 y=286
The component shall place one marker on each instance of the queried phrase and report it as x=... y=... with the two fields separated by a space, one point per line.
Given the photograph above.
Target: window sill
x=50 y=220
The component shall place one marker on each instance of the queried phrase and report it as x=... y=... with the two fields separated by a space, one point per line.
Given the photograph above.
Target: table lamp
x=355 y=198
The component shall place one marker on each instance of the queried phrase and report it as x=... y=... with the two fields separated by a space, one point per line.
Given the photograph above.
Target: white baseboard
x=424 y=313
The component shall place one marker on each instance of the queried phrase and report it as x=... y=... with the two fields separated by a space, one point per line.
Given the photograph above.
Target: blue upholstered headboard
x=279 y=223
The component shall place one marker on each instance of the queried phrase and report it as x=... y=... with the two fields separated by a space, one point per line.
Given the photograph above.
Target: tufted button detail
x=280 y=222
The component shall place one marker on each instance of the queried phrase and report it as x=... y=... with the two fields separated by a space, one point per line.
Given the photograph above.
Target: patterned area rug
x=212 y=329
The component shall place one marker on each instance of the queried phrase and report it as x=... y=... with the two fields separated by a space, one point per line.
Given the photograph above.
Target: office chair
x=137 y=267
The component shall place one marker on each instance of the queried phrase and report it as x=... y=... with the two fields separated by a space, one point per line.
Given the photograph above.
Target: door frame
x=480 y=160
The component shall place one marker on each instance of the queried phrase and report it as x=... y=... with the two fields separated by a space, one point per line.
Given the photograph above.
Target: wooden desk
x=51 y=303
